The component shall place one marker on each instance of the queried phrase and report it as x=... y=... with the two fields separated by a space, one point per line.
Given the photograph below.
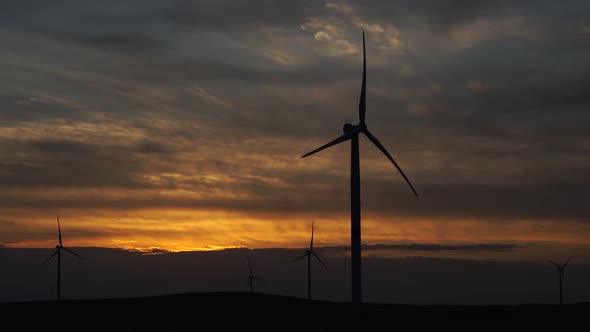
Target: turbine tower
x=351 y=132
x=561 y=271
x=308 y=253
x=58 y=249
x=251 y=278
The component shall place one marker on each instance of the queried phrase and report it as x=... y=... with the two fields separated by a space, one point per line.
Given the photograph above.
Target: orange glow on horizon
x=197 y=230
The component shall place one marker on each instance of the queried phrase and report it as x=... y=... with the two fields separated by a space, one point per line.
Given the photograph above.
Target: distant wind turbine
x=561 y=271
x=351 y=132
x=252 y=277
x=58 y=249
x=308 y=253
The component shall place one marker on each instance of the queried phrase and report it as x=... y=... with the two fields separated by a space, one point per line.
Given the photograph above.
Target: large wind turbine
x=351 y=132
x=252 y=277
x=58 y=249
x=561 y=271
x=308 y=253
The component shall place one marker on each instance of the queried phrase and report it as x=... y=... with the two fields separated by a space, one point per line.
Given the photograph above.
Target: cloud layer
x=207 y=106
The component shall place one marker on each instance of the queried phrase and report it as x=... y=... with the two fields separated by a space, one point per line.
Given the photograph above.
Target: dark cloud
x=491 y=120
x=4 y=223
x=440 y=16
x=240 y=14
x=151 y=251
x=22 y=107
x=13 y=234
x=13 y=10
x=493 y=203
x=153 y=147
x=499 y=247
x=60 y=163
x=212 y=71
x=127 y=43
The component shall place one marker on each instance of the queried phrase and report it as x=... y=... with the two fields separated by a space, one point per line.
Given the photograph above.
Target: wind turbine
x=308 y=253
x=351 y=132
x=252 y=277
x=58 y=249
x=561 y=271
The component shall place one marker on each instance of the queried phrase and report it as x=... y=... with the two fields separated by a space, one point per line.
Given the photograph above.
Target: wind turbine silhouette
x=58 y=249
x=252 y=277
x=561 y=271
x=308 y=253
x=351 y=132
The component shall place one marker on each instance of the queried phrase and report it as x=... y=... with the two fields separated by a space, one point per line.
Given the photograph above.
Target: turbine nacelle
x=347 y=128
x=351 y=129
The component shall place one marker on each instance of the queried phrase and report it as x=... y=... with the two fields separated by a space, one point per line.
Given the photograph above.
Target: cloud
x=500 y=247
x=236 y=15
x=476 y=85
x=20 y=107
x=153 y=147
x=127 y=43
x=339 y=7
x=59 y=163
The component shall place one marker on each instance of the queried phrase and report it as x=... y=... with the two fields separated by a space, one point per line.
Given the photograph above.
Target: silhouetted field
x=225 y=308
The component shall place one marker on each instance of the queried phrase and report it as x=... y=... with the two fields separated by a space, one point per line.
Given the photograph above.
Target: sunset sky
x=180 y=125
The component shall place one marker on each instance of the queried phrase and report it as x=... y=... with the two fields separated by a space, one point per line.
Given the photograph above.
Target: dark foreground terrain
x=277 y=313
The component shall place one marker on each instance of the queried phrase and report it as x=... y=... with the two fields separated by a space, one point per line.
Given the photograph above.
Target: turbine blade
x=567 y=262
x=59 y=231
x=555 y=264
x=50 y=257
x=250 y=267
x=303 y=256
x=319 y=259
x=311 y=243
x=340 y=139
x=363 y=99
x=73 y=253
x=382 y=148
x=260 y=279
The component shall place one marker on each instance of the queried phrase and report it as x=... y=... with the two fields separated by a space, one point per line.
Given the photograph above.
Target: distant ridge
x=215 y=305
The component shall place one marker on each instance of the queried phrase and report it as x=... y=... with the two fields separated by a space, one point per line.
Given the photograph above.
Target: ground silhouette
x=227 y=307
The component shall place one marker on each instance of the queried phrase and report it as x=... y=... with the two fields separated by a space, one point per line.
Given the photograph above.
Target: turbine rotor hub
x=349 y=128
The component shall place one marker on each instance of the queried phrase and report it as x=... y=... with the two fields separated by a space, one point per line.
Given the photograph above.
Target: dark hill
x=228 y=307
